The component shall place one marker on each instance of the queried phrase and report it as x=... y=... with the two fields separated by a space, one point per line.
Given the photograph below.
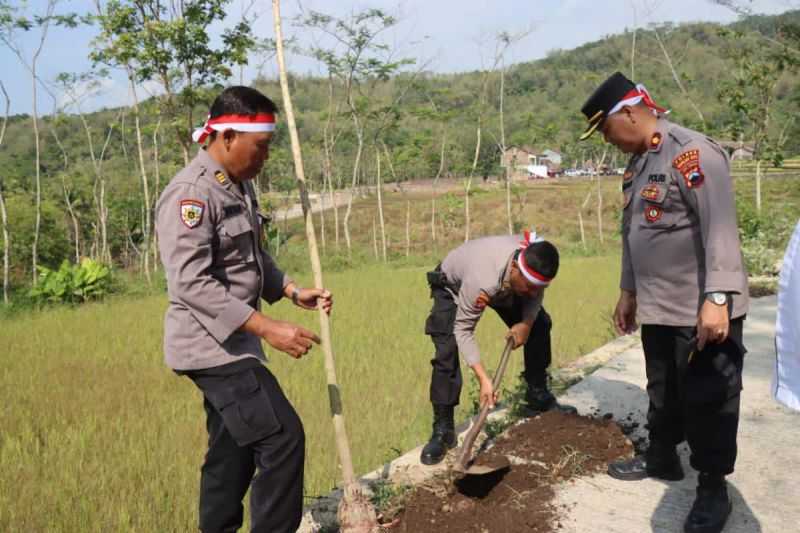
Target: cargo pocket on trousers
x=440 y=320
x=245 y=408
x=717 y=381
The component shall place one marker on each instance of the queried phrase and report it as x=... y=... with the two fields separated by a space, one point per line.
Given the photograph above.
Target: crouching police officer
x=217 y=272
x=682 y=275
x=509 y=274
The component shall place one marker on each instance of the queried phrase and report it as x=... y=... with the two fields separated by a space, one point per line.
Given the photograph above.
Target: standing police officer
x=682 y=276
x=509 y=274
x=209 y=232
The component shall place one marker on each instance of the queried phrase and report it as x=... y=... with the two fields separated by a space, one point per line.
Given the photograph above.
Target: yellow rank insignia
x=655 y=141
x=192 y=213
x=221 y=179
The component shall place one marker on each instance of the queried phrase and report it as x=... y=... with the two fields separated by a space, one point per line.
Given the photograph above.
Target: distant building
x=738 y=149
x=525 y=161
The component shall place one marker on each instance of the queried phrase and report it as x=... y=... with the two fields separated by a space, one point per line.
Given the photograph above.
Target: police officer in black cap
x=683 y=279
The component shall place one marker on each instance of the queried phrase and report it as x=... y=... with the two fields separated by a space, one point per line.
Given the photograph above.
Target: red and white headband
x=530 y=274
x=245 y=123
x=633 y=97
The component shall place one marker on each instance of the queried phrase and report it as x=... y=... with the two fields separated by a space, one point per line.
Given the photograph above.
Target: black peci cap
x=604 y=98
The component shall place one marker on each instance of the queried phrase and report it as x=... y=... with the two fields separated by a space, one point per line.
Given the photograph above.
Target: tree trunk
x=633 y=44
x=75 y=225
x=35 y=117
x=157 y=173
x=758 y=186
x=349 y=209
x=408 y=228
x=468 y=184
x=375 y=239
x=3 y=212
x=380 y=205
x=354 y=501
x=145 y=185
x=322 y=214
x=503 y=149
x=6 y=244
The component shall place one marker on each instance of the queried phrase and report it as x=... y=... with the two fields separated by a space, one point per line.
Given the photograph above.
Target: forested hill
x=407 y=118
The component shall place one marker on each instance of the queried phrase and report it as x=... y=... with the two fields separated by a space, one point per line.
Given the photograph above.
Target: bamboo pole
x=355 y=511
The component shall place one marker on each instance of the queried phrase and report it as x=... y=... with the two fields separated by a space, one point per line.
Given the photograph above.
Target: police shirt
x=680 y=237
x=209 y=237
x=483 y=266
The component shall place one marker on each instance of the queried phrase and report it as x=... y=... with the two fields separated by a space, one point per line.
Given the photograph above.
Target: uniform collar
x=214 y=170
x=659 y=136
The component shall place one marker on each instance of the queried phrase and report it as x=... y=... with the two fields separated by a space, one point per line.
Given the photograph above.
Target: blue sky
x=447 y=35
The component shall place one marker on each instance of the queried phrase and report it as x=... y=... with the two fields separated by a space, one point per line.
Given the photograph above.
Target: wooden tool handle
x=469 y=440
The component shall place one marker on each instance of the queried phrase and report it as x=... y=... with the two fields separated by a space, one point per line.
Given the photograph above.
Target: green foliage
x=72 y=284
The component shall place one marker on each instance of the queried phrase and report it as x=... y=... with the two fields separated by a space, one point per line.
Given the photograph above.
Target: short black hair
x=542 y=257
x=241 y=100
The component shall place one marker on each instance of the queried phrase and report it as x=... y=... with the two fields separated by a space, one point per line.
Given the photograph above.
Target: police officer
x=209 y=231
x=683 y=278
x=509 y=274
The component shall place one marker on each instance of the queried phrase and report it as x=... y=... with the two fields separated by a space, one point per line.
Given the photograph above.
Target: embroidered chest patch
x=192 y=213
x=652 y=213
x=651 y=192
x=220 y=177
x=688 y=164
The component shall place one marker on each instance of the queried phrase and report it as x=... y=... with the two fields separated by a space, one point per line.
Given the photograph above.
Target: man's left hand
x=712 y=324
x=311 y=298
x=519 y=332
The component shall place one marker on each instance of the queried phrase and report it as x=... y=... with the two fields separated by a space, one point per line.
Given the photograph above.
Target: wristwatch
x=717 y=298
x=295 y=294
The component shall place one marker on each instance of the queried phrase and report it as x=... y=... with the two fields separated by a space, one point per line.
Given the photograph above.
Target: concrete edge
x=320 y=515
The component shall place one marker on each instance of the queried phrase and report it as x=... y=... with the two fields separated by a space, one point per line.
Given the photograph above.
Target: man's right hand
x=625 y=313
x=284 y=336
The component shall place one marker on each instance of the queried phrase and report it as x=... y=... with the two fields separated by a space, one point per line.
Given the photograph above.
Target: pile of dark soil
x=545 y=451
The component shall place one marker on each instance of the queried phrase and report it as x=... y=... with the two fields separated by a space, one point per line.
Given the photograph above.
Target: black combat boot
x=444 y=435
x=711 y=507
x=661 y=462
x=539 y=399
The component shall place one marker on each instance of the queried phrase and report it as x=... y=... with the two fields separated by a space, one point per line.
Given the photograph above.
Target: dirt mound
x=544 y=452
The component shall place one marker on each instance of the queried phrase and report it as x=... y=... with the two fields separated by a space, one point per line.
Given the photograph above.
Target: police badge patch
x=192 y=213
x=652 y=213
x=688 y=164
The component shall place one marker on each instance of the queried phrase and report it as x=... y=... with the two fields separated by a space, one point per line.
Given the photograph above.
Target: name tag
x=232 y=210
x=657 y=178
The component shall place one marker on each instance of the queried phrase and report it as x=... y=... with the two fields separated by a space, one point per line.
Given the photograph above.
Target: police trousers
x=696 y=401
x=446 y=379
x=251 y=427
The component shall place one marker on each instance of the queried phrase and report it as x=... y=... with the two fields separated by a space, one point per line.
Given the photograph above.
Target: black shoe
x=443 y=438
x=710 y=510
x=540 y=400
x=640 y=467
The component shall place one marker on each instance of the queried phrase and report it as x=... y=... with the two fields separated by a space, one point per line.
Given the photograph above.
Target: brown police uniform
x=217 y=271
x=480 y=267
x=680 y=242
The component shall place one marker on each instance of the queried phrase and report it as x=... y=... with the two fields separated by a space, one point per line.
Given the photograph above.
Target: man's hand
x=310 y=298
x=712 y=324
x=281 y=335
x=625 y=313
x=487 y=394
x=520 y=333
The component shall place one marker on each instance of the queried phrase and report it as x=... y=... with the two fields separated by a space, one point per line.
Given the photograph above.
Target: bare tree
x=676 y=76
x=8 y=38
x=3 y=211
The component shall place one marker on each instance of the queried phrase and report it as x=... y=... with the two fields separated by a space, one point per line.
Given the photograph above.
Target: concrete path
x=766 y=485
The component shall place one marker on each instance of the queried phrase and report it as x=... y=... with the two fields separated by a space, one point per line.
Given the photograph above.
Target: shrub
x=71 y=284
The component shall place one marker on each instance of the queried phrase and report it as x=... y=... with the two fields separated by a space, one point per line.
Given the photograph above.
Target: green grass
x=98 y=435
